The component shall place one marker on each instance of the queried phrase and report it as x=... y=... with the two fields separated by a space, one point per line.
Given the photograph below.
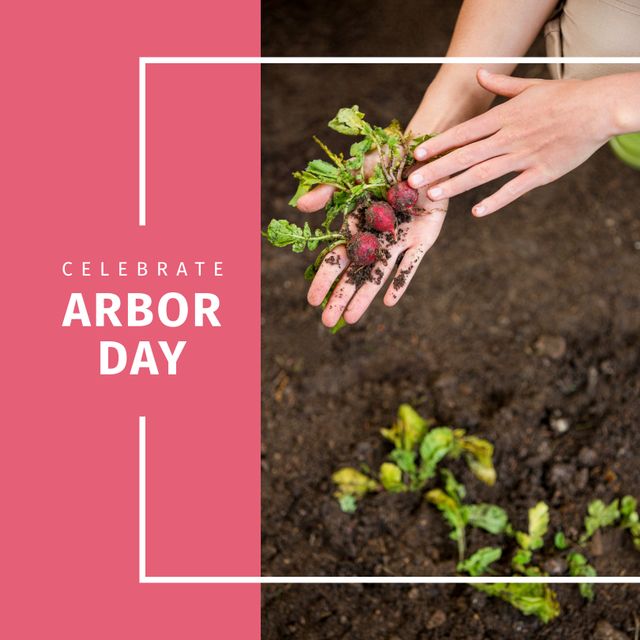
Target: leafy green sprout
x=539 y=599
x=418 y=448
x=411 y=456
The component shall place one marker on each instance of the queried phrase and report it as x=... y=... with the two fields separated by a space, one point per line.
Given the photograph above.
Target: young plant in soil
x=377 y=200
x=419 y=447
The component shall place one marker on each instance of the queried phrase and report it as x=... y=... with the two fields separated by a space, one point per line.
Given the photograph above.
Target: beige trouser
x=593 y=28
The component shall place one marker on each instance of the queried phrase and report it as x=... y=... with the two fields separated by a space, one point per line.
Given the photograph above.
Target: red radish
x=381 y=217
x=402 y=196
x=363 y=248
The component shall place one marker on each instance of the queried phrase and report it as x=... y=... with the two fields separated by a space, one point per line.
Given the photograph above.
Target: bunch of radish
x=378 y=200
x=381 y=218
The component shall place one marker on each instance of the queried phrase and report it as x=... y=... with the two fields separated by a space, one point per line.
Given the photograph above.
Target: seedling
x=485 y=516
x=420 y=447
x=532 y=599
x=376 y=201
x=630 y=519
x=580 y=567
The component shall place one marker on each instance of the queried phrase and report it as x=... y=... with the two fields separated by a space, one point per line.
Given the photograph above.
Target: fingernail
x=479 y=210
x=420 y=154
x=416 y=180
x=434 y=193
x=483 y=72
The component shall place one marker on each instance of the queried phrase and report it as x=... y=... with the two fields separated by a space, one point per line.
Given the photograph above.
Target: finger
x=315 y=199
x=511 y=191
x=474 y=177
x=370 y=163
x=404 y=274
x=367 y=292
x=339 y=299
x=503 y=85
x=334 y=263
x=424 y=206
x=460 y=135
x=456 y=161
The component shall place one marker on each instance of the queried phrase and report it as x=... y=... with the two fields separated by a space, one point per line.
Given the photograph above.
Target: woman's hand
x=545 y=130
x=415 y=238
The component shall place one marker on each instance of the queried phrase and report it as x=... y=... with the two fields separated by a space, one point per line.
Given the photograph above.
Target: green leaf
x=479 y=457
x=630 y=519
x=282 y=233
x=452 y=513
x=586 y=590
x=317 y=172
x=489 y=517
x=351 y=482
x=560 y=541
x=349 y=121
x=310 y=272
x=478 y=563
x=394 y=128
x=391 y=477
x=324 y=170
x=532 y=599
x=357 y=152
x=408 y=429
x=378 y=179
x=521 y=558
x=348 y=503
x=628 y=505
x=580 y=567
x=414 y=142
x=411 y=425
x=406 y=460
x=454 y=488
x=599 y=516
x=304 y=186
x=434 y=447
x=341 y=324
x=538 y=525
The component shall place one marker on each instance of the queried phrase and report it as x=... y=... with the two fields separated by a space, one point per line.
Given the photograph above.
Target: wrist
x=453 y=97
x=620 y=96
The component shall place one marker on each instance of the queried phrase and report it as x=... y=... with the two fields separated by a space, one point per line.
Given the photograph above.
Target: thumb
x=503 y=85
x=315 y=199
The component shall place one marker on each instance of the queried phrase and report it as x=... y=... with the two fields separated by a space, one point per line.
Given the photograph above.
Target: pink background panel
x=70 y=437
x=203 y=429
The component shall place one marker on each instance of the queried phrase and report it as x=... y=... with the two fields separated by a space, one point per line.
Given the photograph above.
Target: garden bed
x=522 y=328
x=433 y=612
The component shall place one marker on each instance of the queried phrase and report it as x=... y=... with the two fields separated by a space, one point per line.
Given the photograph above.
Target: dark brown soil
x=522 y=328
x=452 y=612
x=357 y=27
x=515 y=327
x=361 y=28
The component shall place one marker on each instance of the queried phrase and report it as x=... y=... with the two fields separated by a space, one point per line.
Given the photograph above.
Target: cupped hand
x=546 y=129
x=414 y=239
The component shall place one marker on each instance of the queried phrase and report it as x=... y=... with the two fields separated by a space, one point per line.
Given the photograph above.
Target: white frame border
x=143 y=578
x=142 y=422
x=260 y=60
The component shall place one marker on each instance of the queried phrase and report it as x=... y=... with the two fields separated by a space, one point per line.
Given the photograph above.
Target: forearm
x=503 y=28
x=484 y=28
